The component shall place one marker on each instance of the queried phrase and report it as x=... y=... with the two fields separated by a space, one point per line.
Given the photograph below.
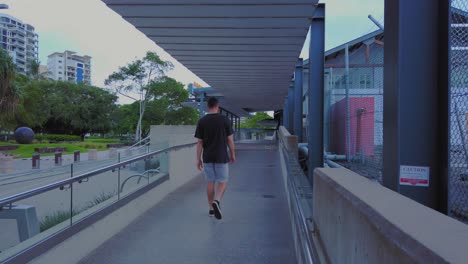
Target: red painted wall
x=361 y=125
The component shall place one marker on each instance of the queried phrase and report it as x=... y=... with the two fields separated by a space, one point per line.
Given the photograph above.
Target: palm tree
x=9 y=96
x=33 y=69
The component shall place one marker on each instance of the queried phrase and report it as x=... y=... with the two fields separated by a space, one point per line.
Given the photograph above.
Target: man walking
x=215 y=134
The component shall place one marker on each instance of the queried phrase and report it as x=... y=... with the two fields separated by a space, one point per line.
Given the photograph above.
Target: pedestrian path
x=255 y=227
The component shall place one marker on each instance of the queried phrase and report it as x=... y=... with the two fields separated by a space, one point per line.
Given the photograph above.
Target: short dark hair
x=212 y=102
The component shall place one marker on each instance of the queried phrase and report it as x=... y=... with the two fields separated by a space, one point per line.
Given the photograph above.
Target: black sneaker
x=211 y=213
x=217 y=209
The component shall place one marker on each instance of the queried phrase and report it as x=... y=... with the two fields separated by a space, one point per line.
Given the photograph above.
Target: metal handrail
x=33 y=192
x=303 y=222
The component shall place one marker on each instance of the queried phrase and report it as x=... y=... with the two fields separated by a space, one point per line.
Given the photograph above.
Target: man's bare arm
x=199 y=154
x=232 y=151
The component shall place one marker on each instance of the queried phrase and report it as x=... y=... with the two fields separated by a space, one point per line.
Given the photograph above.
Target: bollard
x=113 y=153
x=76 y=156
x=6 y=164
x=58 y=158
x=36 y=161
x=92 y=154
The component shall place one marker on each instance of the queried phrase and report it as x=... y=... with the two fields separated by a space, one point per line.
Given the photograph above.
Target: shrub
x=55 y=219
x=58 y=138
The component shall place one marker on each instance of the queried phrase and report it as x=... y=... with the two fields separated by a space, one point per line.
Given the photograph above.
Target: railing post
x=316 y=91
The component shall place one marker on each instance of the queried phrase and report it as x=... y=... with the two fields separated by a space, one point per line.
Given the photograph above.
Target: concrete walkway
x=255 y=227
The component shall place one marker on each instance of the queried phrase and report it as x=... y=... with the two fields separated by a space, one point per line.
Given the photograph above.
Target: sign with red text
x=414 y=176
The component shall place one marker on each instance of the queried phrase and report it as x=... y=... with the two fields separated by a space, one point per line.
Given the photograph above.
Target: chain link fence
x=458 y=173
x=354 y=105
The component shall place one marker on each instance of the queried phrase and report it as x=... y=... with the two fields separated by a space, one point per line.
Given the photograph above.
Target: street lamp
x=3 y=6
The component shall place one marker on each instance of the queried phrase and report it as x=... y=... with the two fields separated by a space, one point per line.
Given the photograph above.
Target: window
x=365 y=81
x=337 y=81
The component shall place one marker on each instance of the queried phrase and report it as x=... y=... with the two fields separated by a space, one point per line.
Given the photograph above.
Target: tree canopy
x=135 y=79
x=62 y=108
x=252 y=122
x=9 y=95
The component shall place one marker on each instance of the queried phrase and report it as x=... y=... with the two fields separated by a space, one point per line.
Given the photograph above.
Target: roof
x=246 y=49
x=355 y=42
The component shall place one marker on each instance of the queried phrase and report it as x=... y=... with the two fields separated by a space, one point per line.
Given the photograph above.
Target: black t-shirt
x=214 y=129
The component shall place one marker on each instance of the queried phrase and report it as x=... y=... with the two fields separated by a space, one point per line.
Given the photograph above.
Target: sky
x=89 y=27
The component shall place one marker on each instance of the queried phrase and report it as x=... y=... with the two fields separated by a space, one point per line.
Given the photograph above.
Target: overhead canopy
x=246 y=49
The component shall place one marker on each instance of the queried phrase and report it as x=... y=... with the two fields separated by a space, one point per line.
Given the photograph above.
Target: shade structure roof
x=246 y=49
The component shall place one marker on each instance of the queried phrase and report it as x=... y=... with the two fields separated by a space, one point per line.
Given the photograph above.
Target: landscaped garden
x=27 y=150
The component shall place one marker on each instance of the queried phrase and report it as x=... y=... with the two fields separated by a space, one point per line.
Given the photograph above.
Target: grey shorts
x=216 y=172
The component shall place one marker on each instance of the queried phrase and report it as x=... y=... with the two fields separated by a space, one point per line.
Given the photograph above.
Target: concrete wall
x=182 y=169
x=360 y=221
x=174 y=135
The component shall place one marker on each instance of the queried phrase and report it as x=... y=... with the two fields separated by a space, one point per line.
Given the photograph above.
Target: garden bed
x=50 y=149
x=8 y=147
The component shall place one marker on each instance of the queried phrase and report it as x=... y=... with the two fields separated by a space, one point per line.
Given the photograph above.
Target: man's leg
x=210 y=192
x=220 y=191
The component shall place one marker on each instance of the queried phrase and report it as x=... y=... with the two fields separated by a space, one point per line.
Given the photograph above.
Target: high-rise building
x=68 y=66
x=20 y=40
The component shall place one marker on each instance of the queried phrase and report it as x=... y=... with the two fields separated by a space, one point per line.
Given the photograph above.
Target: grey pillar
x=291 y=109
x=286 y=113
x=416 y=97
x=202 y=105
x=316 y=90
x=298 y=100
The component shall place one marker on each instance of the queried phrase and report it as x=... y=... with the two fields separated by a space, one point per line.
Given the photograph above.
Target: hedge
x=58 y=138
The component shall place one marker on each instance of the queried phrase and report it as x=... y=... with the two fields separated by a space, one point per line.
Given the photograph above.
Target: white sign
x=414 y=176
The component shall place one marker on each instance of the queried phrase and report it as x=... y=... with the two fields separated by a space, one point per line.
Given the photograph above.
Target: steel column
x=316 y=91
x=416 y=109
x=291 y=108
x=286 y=113
x=298 y=101
x=202 y=105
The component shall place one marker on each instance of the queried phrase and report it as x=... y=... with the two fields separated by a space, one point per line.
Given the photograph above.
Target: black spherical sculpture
x=24 y=135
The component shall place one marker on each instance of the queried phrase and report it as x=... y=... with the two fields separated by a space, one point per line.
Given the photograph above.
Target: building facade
x=68 y=66
x=20 y=40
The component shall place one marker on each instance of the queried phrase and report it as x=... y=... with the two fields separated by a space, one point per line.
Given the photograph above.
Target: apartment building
x=20 y=40
x=68 y=66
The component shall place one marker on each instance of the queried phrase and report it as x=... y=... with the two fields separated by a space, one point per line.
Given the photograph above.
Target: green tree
x=32 y=69
x=79 y=109
x=63 y=108
x=164 y=108
x=125 y=118
x=133 y=81
x=9 y=95
x=252 y=122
